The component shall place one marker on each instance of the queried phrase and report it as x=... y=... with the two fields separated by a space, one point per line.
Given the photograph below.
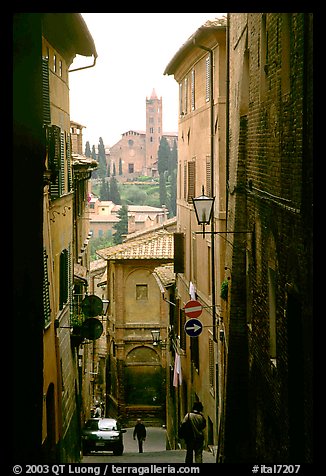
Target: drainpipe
x=212 y=184
x=84 y=67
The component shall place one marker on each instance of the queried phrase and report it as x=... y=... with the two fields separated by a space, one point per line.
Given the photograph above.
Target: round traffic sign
x=193 y=308
x=193 y=327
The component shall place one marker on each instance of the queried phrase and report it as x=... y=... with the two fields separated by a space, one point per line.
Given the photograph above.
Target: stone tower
x=153 y=132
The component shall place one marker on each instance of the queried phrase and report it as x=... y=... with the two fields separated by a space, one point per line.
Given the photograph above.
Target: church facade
x=136 y=153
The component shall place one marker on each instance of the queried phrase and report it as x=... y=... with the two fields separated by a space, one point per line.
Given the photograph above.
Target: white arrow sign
x=193 y=327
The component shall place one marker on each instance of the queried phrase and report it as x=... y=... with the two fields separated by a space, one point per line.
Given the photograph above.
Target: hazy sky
x=133 y=52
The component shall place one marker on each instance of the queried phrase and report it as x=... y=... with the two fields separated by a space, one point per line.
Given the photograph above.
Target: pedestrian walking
x=192 y=432
x=98 y=411
x=140 y=433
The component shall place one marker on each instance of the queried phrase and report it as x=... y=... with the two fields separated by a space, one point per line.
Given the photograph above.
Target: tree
x=114 y=191
x=163 y=155
x=104 y=190
x=121 y=228
x=88 y=152
x=102 y=168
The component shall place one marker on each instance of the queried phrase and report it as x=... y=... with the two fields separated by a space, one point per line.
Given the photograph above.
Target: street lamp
x=203 y=206
x=156 y=336
x=204 y=209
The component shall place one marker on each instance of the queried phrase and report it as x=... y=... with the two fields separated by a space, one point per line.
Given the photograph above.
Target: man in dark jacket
x=140 y=432
x=195 y=436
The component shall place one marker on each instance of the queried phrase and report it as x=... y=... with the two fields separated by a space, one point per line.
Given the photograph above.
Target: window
x=55 y=63
x=141 y=292
x=60 y=68
x=131 y=168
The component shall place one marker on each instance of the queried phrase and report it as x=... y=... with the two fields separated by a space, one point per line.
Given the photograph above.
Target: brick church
x=136 y=153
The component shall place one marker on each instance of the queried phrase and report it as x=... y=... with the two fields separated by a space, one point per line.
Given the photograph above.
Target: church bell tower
x=153 y=133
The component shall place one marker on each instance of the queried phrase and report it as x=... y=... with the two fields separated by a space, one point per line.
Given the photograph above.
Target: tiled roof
x=158 y=245
x=170 y=224
x=166 y=274
x=97 y=265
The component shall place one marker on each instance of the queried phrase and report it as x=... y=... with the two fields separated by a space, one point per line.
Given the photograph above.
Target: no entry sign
x=193 y=309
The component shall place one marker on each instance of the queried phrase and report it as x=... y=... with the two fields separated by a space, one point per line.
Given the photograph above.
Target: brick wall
x=270 y=195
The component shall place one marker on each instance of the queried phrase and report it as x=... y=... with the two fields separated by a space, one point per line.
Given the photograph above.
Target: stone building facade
x=268 y=315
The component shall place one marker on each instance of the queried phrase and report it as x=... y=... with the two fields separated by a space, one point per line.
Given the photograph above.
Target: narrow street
x=154 y=451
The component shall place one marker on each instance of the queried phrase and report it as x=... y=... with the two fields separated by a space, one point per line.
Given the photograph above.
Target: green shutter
x=68 y=152
x=55 y=162
x=46 y=92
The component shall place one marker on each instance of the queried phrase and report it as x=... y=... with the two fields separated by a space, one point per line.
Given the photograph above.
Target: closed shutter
x=64 y=273
x=208 y=82
x=208 y=176
x=55 y=161
x=46 y=92
x=62 y=164
x=193 y=90
x=68 y=151
x=191 y=181
x=46 y=291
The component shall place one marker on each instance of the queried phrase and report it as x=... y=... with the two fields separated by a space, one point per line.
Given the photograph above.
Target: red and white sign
x=193 y=309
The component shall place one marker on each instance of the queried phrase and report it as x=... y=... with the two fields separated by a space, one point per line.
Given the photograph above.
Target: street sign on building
x=193 y=327
x=193 y=309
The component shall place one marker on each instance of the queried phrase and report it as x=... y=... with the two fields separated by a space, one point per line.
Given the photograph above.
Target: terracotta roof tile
x=156 y=246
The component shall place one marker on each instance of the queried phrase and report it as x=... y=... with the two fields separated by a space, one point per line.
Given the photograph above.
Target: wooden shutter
x=193 y=90
x=55 y=161
x=208 y=176
x=62 y=164
x=68 y=152
x=46 y=92
x=63 y=291
x=46 y=291
x=191 y=181
x=208 y=82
